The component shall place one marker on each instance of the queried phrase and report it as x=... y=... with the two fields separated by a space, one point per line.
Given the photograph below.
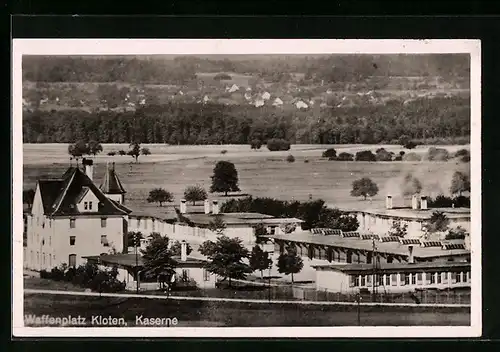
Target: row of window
x=185 y=275
x=46 y=258
x=72 y=222
x=104 y=240
x=410 y=279
x=87 y=205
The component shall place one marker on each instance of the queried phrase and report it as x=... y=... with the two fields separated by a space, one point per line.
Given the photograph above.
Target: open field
x=208 y=313
x=261 y=173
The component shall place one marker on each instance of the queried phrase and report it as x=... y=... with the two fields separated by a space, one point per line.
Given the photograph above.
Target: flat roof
x=130 y=260
x=239 y=218
x=415 y=214
x=392 y=267
x=394 y=248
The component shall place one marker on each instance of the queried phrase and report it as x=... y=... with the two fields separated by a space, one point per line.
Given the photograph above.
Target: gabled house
x=278 y=102
x=266 y=96
x=71 y=217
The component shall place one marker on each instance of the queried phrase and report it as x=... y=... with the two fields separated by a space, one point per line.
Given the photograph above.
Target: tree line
x=274 y=68
x=190 y=123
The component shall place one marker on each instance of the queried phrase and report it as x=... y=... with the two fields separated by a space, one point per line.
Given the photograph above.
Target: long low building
x=393 y=277
x=353 y=247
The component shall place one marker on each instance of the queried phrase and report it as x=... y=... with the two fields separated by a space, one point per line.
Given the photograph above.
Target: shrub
x=329 y=153
x=398 y=158
x=224 y=151
x=383 y=155
x=458 y=233
x=402 y=152
x=111 y=153
x=57 y=274
x=465 y=159
x=290 y=158
x=44 y=274
x=442 y=201
x=365 y=155
x=410 y=145
x=255 y=144
x=306 y=160
x=145 y=151
x=276 y=144
x=344 y=157
x=462 y=152
x=122 y=152
x=69 y=275
x=412 y=157
x=437 y=154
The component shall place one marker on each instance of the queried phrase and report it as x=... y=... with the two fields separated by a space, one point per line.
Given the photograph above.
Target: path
x=241 y=300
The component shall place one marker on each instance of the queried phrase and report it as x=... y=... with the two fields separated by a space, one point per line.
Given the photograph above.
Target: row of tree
x=179 y=123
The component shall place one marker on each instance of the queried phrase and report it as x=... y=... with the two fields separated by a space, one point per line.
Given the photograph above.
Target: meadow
x=261 y=172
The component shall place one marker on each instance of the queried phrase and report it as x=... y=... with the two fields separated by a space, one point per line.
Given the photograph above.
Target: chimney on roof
x=414 y=202
x=89 y=168
x=206 y=205
x=183 y=251
x=183 y=206
x=215 y=207
x=388 y=202
x=423 y=202
x=467 y=242
x=411 y=260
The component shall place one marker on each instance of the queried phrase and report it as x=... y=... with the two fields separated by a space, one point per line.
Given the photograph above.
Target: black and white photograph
x=246 y=188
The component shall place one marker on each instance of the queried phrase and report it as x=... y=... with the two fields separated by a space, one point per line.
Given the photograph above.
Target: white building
x=259 y=102
x=266 y=96
x=301 y=105
x=278 y=102
x=234 y=88
x=72 y=218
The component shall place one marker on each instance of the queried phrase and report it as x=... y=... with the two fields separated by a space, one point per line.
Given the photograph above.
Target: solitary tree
x=225 y=258
x=195 y=193
x=94 y=147
x=28 y=196
x=289 y=262
x=364 y=187
x=135 y=150
x=175 y=249
x=438 y=222
x=260 y=232
x=159 y=195
x=460 y=182
x=259 y=260
x=78 y=149
x=157 y=258
x=330 y=153
x=256 y=144
x=134 y=240
x=217 y=225
x=225 y=178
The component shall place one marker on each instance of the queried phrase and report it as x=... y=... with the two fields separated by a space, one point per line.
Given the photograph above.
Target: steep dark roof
x=111 y=183
x=61 y=196
x=49 y=190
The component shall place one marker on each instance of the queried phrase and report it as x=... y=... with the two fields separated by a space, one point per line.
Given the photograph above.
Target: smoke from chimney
x=89 y=168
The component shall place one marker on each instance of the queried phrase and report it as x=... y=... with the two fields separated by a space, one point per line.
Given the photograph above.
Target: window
x=413 y=279
x=272 y=230
x=138 y=222
x=389 y=259
x=50 y=261
x=72 y=223
x=368 y=280
x=407 y=278
x=206 y=275
x=104 y=241
x=50 y=240
x=72 y=240
x=363 y=280
x=458 y=277
x=38 y=257
x=394 y=279
x=387 y=280
x=433 y=278
x=43 y=259
x=90 y=205
x=352 y=280
x=381 y=280
x=419 y=278
x=356 y=281
x=72 y=260
x=86 y=205
x=444 y=277
x=103 y=222
x=153 y=224
x=438 y=278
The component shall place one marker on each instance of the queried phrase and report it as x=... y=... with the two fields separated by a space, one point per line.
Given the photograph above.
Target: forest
x=189 y=123
x=161 y=69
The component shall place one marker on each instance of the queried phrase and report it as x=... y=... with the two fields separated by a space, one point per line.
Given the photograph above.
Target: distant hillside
x=161 y=69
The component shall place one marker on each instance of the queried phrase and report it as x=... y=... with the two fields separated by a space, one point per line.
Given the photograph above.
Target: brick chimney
x=388 y=202
x=215 y=207
x=414 y=202
x=89 y=168
x=423 y=202
x=206 y=205
x=183 y=251
x=183 y=206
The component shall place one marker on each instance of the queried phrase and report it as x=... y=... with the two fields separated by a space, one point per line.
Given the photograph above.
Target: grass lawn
x=193 y=313
x=261 y=173
x=46 y=284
